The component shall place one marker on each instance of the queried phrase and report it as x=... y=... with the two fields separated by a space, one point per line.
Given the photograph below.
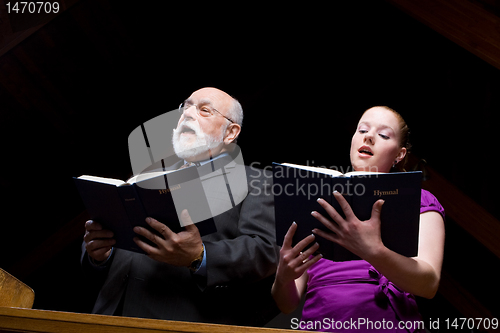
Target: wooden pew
x=42 y=321
x=14 y=293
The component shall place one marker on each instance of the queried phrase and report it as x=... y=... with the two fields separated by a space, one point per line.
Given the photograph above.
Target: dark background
x=72 y=92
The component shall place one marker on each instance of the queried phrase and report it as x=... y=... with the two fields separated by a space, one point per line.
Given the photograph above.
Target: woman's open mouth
x=365 y=151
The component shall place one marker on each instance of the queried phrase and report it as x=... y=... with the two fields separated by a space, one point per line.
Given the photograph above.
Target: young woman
x=377 y=292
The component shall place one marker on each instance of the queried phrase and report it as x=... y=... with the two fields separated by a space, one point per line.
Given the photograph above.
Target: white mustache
x=188 y=124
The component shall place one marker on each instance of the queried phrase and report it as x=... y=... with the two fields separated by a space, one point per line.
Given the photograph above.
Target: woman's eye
x=362 y=131
x=385 y=137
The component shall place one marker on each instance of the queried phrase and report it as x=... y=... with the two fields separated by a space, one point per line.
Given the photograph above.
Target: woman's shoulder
x=428 y=202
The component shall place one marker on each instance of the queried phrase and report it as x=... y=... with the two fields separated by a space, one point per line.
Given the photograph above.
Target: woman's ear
x=401 y=155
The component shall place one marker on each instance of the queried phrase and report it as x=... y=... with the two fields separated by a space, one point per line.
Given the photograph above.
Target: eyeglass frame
x=182 y=109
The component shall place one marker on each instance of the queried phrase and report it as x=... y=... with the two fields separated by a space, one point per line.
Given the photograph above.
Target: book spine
x=133 y=205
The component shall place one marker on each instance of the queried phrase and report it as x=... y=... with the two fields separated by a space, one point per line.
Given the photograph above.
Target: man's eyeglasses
x=204 y=110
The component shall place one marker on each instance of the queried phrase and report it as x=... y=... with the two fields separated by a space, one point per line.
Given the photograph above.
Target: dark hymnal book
x=121 y=205
x=296 y=189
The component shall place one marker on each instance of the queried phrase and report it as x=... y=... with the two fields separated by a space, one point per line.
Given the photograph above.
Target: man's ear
x=232 y=132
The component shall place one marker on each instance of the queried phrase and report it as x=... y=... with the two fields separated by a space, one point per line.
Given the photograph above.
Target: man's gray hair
x=236 y=112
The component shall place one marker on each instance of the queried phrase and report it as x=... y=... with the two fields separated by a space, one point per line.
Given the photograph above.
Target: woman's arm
x=288 y=295
x=419 y=275
x=291 y=275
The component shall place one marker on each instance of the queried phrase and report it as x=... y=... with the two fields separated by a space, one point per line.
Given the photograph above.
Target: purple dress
x=352 y=296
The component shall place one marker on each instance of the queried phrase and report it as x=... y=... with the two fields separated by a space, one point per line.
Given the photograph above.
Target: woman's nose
x=369 y=137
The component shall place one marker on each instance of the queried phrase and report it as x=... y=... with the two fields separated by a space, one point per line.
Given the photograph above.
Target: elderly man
x=224 y=277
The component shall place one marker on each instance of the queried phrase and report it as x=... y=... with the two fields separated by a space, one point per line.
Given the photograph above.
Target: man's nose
x=189 y=113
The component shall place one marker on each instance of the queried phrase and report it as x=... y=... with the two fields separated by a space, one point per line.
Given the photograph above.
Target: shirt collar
x=203 y=162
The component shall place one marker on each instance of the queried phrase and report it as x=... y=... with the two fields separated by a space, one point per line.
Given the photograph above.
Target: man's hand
x=175 y=249
x=98 y=241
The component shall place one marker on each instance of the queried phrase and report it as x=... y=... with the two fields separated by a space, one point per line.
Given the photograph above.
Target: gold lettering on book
x=379 y=193
x=170 y=189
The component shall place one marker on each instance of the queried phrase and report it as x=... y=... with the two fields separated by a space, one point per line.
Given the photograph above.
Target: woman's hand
x=360 y=237
x=291 y=276
x=293 y=262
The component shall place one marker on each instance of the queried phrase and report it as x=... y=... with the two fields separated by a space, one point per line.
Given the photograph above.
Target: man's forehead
x=214 y=97
x=200 y=101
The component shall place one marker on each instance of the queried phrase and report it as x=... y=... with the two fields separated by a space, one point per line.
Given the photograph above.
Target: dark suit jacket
x=241 y=259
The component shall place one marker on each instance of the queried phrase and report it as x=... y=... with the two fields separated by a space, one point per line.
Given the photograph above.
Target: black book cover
x=121 y=208
x=296 y=191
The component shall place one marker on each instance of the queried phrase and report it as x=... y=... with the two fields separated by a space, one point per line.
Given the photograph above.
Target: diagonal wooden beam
x=473 y=218
x=463 y=301
x=461 y=21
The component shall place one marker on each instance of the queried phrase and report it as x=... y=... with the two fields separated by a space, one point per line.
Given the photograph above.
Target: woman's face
x=375 y=145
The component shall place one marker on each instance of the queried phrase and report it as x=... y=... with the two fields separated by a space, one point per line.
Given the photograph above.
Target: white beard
x=203 y=143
